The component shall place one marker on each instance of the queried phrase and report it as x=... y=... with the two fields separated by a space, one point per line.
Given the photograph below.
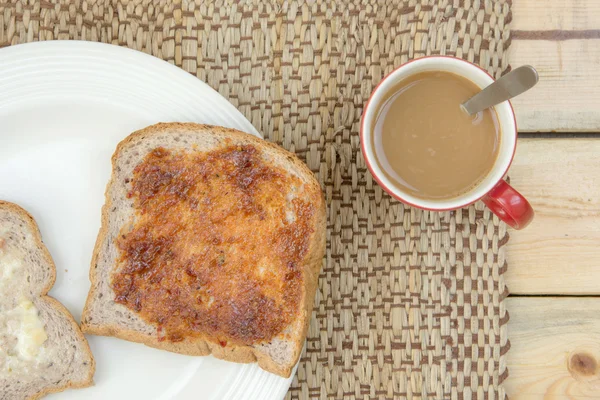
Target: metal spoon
x=510 y=85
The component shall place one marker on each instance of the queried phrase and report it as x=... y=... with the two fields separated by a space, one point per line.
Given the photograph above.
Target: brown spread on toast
x=215 y=247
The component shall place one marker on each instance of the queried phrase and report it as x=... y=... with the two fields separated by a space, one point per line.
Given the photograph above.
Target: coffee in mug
x=426 y=145
x=424 y=151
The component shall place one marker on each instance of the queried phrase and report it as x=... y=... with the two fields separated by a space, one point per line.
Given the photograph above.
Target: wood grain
x=560 y=39
x=535 y=15
x=555 y=348
x=559 y=253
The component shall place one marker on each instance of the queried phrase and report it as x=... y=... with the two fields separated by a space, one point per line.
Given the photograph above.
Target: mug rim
x=391 y=191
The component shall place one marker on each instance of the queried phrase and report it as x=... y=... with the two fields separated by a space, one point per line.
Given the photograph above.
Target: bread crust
x=33 y=227
x=198 y=346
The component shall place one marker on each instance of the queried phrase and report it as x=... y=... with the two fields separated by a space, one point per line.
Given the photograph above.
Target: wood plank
x=567 y=97
x=532 y=15
x=555 y=348
x=562 y=40
x=559 y=253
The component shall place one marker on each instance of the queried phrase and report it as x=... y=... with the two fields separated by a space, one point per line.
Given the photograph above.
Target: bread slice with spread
x=42 y=349
x=211 y=243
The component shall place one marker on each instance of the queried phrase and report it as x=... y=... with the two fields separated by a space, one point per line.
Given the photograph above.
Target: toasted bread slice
x=42 y=349
x=211 y=243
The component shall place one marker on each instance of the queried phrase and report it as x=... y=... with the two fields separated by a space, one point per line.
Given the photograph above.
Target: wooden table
x=554 y=265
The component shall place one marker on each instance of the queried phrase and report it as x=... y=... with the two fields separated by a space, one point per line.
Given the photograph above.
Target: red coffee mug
x=508 y=204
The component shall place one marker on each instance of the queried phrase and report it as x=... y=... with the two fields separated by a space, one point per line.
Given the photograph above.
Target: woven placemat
x=409 y=303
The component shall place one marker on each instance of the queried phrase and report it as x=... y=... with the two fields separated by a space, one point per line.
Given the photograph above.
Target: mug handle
x=509 y=205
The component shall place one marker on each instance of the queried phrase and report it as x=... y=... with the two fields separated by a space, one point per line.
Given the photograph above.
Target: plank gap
x=552 y=295
x=555 y=34
x=559 y=135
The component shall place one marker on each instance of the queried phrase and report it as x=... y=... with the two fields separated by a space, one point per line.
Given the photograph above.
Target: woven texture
x=410 y=302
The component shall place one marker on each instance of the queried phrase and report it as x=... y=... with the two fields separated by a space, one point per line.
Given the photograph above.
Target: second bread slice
x=42 y=349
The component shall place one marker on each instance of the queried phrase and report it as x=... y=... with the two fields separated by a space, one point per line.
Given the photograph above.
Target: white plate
x=64 y=106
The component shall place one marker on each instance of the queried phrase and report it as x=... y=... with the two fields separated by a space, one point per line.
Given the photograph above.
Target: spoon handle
x=510 y=85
